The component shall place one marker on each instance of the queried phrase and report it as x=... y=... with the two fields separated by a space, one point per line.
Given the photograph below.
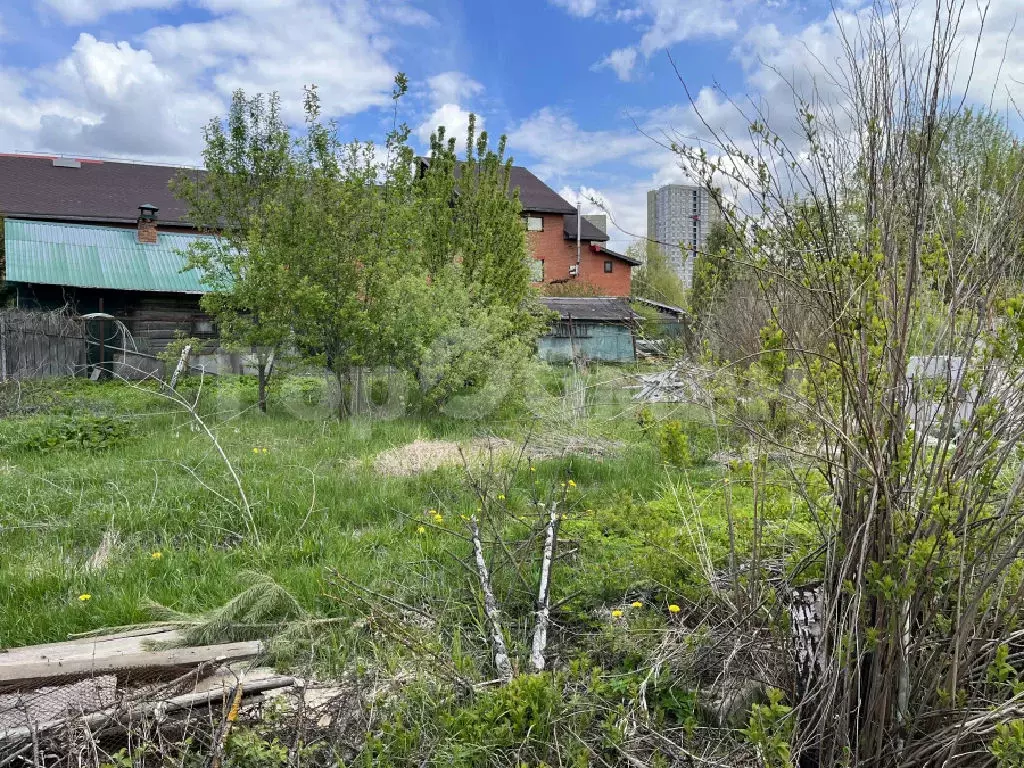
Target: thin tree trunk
x=182 y=365
x=501 y=659
x=540 y=630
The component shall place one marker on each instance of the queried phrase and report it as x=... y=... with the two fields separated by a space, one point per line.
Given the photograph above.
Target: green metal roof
x=89 y=256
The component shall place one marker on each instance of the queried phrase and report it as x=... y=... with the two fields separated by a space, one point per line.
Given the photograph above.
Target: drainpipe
x=579 y=218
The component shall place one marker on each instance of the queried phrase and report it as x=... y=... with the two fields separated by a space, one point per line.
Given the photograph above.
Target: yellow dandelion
x=438 y=517
x=673 y=608
x=156 y=556
x=255 y=450
x=501 y=497
x=265 y=450
x=463 y=517
x=421 y=529
x=431 y=511
x=616 y=614
x=572 y=483
x=85 y=598
x=637 y=604
x=533 y=469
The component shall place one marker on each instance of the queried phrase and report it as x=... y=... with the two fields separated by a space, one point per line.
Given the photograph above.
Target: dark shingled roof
x=616 y=255
x=538 y=197
x=587 y=232
x=97 y=191
x=101 y=191
x=600 y=309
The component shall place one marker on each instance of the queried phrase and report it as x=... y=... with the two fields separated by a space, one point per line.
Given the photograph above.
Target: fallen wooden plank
x=159 y=709
x=87 y=647
x=81 y=663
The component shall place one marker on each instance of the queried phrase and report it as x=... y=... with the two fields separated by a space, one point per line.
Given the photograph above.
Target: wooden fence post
x=3 y=346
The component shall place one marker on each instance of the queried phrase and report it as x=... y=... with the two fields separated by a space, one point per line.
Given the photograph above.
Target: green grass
x=163 y=488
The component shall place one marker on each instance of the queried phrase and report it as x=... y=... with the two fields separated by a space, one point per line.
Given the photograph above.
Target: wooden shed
x=118 y=278
x=594 y=328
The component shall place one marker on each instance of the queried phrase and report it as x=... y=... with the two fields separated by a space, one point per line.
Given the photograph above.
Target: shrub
x=76 y=432
x=1008 y=747
x=674 y=445
x=771 y=730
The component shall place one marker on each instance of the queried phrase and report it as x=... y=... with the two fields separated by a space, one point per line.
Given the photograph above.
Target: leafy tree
x=714 y=271
x=889 y=227
x=347 y=230
x=655 y=280
x=355 y=256
x=248 y=161
x=475 y=253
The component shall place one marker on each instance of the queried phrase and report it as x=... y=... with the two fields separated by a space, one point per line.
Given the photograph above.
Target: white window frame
x=534 y=223
x=537 y=271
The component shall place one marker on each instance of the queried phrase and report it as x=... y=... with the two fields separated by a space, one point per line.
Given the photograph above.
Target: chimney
x=147 y=223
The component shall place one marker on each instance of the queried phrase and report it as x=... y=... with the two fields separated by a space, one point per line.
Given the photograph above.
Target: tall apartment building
x=679 y=217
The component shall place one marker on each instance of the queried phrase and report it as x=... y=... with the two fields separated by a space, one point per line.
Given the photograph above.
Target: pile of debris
x=682 y=383
x=114 y=681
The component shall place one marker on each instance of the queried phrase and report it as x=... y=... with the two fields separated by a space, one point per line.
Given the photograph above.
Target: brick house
x=551 y=225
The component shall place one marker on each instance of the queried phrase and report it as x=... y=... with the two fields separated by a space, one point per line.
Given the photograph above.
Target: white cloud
x=150 y=97
x=581 y=8
x=452 y=88
x=125 y=104
x=673 y=22
x=455 y=120
x=625 y=206
x=84 y=11
x=667 y=22
x=561 y=146
x=279 y=45
x=621 y=60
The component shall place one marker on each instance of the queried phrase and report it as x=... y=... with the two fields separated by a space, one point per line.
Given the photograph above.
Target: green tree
x=475 y=253
x=348 y=233
x=655 y=280
x=248 y=161
x=714 y=271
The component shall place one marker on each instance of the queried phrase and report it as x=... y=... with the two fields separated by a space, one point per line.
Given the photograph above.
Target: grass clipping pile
x=427 y=455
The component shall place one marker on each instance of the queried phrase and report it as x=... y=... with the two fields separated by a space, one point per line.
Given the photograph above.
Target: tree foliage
x=887 y=258
x=248 y=163
x=361 y=256
x=655 y=280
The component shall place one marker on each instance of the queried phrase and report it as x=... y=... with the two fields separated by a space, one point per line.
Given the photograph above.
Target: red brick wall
x=559 y=254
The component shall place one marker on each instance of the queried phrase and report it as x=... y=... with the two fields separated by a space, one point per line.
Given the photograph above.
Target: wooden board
x=120 y=654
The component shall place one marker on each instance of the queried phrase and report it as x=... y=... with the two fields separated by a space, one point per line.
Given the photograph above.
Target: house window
x=203 y=327
x=571 y=330
x=534 y=223
x=607 y=266
x=537 y=270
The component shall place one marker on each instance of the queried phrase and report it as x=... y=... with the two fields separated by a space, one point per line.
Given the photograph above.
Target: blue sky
x=571 y=82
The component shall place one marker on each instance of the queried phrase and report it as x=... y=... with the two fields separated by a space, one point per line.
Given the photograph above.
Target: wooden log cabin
x=101 y=238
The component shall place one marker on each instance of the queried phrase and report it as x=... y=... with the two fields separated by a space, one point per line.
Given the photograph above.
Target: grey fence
x=41 y=345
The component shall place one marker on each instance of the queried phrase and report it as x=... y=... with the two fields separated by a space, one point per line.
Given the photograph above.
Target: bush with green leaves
x=770 y=731
x=1008 y=746
x=674 y=444
x=72 y=432
x=578 y=716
